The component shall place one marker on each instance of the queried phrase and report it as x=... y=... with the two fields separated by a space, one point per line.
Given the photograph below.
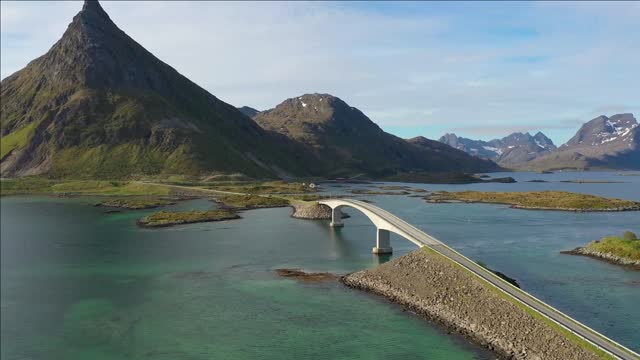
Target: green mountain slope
x=98 y=104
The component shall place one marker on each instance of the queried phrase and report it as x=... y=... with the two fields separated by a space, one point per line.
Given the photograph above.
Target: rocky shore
x=537 y=200
x=614 y=259
x=312 y=211
x=614 y=209
x=436 y=288
x=302 y=275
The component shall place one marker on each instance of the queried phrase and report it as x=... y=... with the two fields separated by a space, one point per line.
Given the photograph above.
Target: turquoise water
x=80 y=284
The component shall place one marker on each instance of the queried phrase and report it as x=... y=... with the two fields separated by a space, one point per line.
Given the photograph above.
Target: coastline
x=435 y=288
x=610 y=258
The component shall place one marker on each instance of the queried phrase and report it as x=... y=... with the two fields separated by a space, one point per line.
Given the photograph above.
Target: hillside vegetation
x=626 y=246
x=167 y=218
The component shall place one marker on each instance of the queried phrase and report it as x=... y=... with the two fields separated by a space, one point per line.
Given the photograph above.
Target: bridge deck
x=417 y=236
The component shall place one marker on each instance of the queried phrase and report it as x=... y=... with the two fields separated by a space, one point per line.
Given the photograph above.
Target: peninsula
x=438 y=289
x=624 y=250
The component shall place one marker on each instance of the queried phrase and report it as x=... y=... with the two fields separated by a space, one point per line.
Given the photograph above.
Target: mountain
x=346 y=141
x=98 y=104
x=509 y=151
x=604 y=142
x=249 y=111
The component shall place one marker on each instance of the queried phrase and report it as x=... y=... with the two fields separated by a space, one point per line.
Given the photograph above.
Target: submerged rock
x=305 y=276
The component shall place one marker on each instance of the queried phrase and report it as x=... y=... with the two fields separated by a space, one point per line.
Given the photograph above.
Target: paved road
x=426 y=240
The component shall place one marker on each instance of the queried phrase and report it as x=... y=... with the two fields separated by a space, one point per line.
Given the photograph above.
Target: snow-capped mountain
x=618 y=130
x=508 y=151
x=604 y=142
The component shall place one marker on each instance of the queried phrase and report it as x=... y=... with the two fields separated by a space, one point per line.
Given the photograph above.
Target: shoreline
x=434 y=288
x=523 y=207
x=610 y=258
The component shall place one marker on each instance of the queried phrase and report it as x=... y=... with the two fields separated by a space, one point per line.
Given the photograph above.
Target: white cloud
x=401 y=69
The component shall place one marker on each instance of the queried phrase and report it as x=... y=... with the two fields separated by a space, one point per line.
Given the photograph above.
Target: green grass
x=135 y=203
x=166 y=218
x=271 y=187
x=25 y=185
x=627 y=246
x=577 y=340
x=16 y=139
x=252 y=201
x=540 y=199
x=101 y=187
x=35 y=186
x=119 y=162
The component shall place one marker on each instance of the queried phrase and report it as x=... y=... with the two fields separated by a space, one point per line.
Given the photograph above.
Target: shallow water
x=79 y=284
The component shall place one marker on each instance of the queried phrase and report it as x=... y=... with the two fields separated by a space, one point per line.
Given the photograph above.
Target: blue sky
x=479 y=69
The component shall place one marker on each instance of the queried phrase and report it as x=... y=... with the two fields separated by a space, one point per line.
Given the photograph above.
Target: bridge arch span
x=383 y=226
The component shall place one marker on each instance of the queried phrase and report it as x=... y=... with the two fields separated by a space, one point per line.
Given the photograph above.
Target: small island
x=134 y=203
x=538 y=200
x=167 y=218
x=623 y=250
x=247 y=202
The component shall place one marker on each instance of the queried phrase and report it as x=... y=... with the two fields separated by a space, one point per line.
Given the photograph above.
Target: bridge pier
x=383 y=242
x=336 y=218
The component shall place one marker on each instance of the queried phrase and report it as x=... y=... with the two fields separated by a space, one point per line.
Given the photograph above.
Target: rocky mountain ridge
x=347 y=141
x=507 y=151
x=603 y=142
x=99 y=105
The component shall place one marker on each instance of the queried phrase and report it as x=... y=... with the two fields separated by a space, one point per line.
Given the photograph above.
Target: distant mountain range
x=98 y=105
x=514 y=149
x=602 y=143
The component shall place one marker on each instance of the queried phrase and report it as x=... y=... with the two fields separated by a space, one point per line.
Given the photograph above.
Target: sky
x=479 y=69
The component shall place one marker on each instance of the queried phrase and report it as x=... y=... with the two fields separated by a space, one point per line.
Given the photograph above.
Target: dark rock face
x=514 y=149
x=98 y=104
x=249 y=111
x=346 y=141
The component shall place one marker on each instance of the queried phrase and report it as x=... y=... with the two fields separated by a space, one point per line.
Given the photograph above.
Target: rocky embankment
x=436 y=288
x=584 y=251
x=312 y=211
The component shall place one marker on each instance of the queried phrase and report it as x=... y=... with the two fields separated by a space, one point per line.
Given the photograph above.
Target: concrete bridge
x=386 y=222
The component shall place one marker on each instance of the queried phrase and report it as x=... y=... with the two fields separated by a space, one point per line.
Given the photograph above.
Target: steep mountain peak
x=606 y=142
x=93 y=7
x=543 y=141
x=98 y=104
x=94 y=52
x=349 y=141
x=296 y=115
x=604 y=130
x=512 y=149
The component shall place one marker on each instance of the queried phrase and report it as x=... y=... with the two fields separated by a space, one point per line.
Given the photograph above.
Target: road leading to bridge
x=386 y=220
